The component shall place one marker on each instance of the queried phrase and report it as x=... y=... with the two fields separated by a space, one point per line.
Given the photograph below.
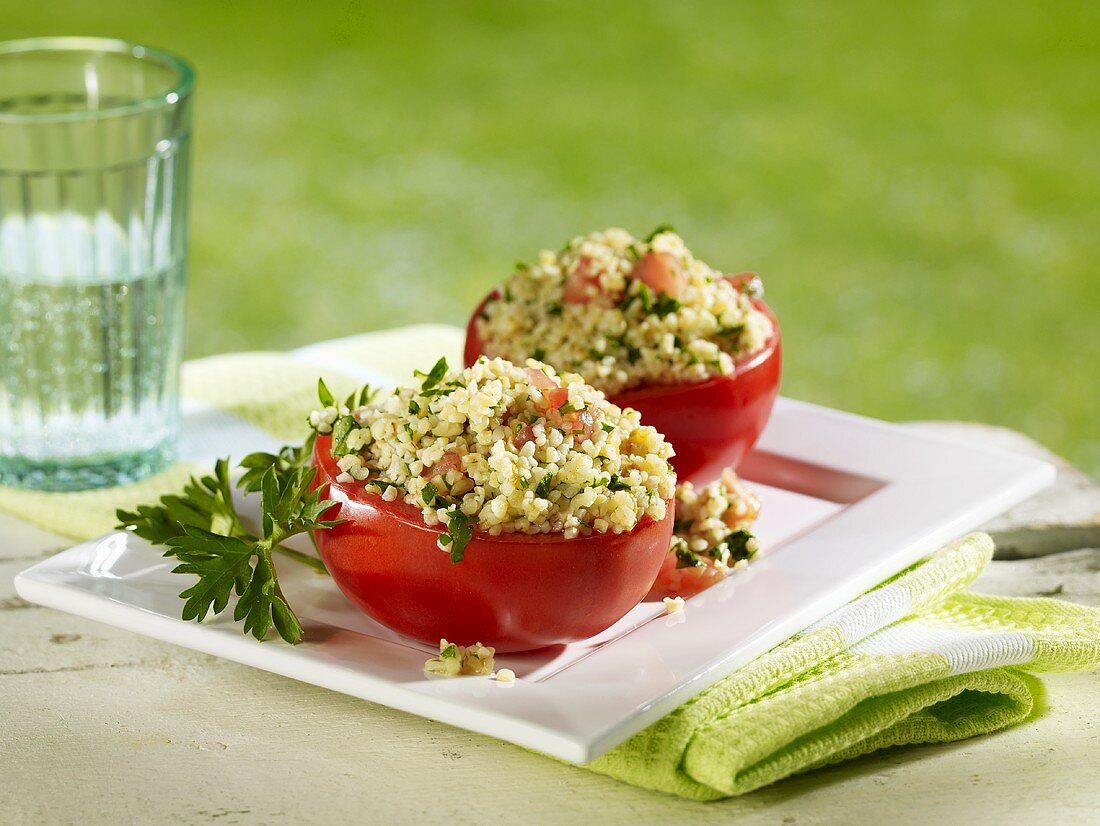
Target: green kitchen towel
x=917 y=660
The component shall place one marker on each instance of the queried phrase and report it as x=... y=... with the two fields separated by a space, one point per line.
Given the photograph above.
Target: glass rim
x=178 y=91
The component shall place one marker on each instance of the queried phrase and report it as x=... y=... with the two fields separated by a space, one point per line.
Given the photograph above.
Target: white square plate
x=848 y=502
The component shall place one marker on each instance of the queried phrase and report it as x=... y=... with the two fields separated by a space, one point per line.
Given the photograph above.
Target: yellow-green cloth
x=917 y=660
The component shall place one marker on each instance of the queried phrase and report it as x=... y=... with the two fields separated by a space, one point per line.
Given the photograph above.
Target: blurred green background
x=918 y=183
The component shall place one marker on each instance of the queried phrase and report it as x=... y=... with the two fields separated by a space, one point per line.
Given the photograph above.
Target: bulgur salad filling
x=623 y=312
x=712 y=534
x=502 y=447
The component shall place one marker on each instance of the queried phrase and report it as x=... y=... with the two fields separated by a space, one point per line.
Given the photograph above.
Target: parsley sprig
x=202 y=529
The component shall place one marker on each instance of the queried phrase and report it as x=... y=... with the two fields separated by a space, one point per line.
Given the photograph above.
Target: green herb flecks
x=434 y=377
x=687 y=559
x=458 y=534
x=542 y=489
x=615 y=483
x=428 y=495
x=341 y=428
x=665 y=304
x=658 y=230
x=740 y=544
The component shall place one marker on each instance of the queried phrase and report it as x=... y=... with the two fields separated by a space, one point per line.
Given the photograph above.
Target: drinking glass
x=94 y=151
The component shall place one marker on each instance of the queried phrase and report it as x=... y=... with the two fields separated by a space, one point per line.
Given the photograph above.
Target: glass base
x=84 y=473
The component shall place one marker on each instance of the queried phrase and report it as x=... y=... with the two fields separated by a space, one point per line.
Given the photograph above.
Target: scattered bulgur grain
x=453 y=660
x=673 y=605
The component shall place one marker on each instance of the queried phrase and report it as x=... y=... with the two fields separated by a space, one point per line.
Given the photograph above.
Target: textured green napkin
x=917 y=660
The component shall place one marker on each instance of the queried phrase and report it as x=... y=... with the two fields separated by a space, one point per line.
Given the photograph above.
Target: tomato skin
x=515 y=592
x=712 y=424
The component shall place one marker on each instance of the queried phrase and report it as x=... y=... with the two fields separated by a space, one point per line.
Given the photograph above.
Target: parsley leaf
x=202 y=529
x=205 y=503
x=341 y=428
x=428 y=494
x=542 y=489
x=687 y=559
x=741 y=544
x=617 y=484
x=665 y=304
x=325 y=395
x=458 y=535
x=434 y=377
x=658 y=230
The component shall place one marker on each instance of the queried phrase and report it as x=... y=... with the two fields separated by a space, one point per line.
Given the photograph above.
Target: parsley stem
x=306 y=559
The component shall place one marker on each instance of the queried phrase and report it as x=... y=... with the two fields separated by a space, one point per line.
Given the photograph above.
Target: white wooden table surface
x=99 y=725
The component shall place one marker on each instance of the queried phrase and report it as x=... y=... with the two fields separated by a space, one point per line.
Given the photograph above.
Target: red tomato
x=581 y=422
x=515 y=592
x=553 y=395
x=747 y=281
x=539 y=379
x=712 y=424
x=450 y=461
x=556 y=398
x=683 y=582
x=524 y=435
x=582 y=285
x=662 y=272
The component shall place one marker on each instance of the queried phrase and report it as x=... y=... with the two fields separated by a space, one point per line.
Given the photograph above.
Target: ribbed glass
x=94 y=159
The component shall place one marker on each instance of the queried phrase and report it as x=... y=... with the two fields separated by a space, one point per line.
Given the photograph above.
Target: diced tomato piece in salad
x=524 y=435
x=582 y=285
x=662 y=272
x=580 y=423
x=539 y=379
x=450 y=461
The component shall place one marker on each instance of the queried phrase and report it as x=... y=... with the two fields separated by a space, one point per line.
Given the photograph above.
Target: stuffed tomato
x=508 y=505
x=696 y=352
